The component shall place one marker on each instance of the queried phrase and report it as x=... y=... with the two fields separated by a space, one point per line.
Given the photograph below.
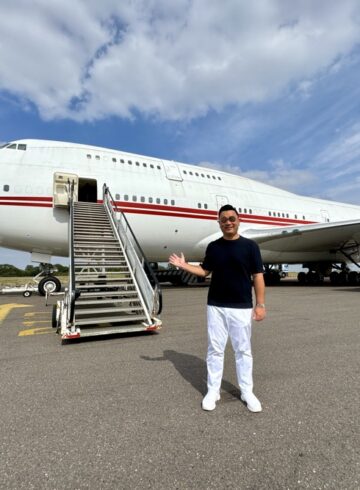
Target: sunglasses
x=232 y=219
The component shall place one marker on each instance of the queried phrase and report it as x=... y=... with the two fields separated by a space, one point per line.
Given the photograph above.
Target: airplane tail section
x=112 y=288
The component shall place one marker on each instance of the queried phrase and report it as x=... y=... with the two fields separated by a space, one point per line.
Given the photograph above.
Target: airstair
x=112 y=288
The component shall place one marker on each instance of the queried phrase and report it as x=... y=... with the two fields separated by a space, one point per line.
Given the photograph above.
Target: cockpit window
x=14 y=146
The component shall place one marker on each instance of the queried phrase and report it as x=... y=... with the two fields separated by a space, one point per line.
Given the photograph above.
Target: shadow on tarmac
x=193 y=370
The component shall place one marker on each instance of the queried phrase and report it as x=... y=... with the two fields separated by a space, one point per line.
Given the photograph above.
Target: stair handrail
x=148 y=273
x=71 y=287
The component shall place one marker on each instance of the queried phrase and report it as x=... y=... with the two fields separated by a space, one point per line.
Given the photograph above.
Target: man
x=233 y=260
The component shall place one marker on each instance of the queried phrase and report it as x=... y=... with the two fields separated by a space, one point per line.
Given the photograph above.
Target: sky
x=267 y=89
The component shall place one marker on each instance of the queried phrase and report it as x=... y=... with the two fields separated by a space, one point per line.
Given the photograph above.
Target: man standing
x=233 y=261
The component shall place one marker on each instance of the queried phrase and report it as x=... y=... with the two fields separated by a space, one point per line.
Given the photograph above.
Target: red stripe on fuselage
x=159 y=210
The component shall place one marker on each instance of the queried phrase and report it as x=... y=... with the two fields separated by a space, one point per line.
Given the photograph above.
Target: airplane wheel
x=334 y=278
x=301 y=277
x=353 y=278
x=49 y=284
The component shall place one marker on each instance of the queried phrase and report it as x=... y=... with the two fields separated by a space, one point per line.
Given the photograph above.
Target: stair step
x=96 y=278
x=111 y=330
x=95 y=264
x=94 y=240
x=114 y=310
x=102 y=286
x=81 y=302
x=110 y=319
x=130 y=294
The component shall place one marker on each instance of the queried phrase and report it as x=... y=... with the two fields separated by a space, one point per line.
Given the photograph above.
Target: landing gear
x=274 y=274
x=49 y=284
x=341 y=276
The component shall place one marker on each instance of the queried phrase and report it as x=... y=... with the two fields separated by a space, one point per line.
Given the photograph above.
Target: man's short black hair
x=227 y=207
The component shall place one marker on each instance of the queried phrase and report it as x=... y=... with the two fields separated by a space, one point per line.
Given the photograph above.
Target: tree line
x=8 y=270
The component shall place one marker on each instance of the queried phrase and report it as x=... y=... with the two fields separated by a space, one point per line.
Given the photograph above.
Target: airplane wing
x=313 y=237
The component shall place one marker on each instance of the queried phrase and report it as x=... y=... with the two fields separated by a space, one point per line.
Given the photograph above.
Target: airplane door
x=87 y=190
x=172 y=171
x=325 y=216
x=60 y=189
x=221 y=201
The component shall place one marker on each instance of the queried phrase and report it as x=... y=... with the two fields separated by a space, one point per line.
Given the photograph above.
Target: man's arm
x=259 y=288
x=182 y=264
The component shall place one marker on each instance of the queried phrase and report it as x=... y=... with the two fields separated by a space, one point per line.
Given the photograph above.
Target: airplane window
x=202 y=175
x=88 y=156
x=4 y=146
x=303 y=217
x=245 y=210
x=151 y=199
x=197 y=175
x=250 y=211
x=165 y=201
x=129 y=162
x=208 y=176
x=151 y=165
x=214 y=177
x=117 y=197
x=97 y=157
x=12 y=147
x=21 y=146
x=134 y=198
x=295 y=216
x=122 y=161
x=283 y=215
x=205 y=206
x=137 y=164
x=158 y=201
x=199 y=204
x=158 y=167
x=6 y=188
x=287 y=215
x=144 y=165
x=240 y=210
x=126 y=197
x=190 y=173
x=114 y=159
x=219 y=178
x=269 y=213
x=142 y=199
x=279 y=215
x=184 y=172
x=172 y=202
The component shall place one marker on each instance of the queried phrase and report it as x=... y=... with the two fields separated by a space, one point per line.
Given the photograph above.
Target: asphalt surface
x=125 y=412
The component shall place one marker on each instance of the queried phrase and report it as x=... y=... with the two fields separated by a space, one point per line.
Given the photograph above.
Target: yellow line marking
x=29 y=323
x=33 y=313
x=35 y=331
x=5 y=309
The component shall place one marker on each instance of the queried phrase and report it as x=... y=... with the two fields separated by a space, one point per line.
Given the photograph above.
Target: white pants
x=236 y=323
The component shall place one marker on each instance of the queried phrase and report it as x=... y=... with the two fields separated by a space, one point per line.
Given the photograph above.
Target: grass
x=21 y=281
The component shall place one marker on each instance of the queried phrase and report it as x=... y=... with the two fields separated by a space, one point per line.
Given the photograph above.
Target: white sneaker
x=253 y=404
x=209 y=401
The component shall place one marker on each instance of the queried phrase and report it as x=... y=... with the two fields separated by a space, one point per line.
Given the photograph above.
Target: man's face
x=229 y=223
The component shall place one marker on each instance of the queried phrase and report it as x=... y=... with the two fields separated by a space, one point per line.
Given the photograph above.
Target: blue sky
x=268 y=89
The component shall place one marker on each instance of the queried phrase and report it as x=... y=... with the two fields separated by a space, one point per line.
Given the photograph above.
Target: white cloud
x=171 y=60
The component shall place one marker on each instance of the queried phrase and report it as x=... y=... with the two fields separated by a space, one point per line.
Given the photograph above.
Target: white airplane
x=171 y=206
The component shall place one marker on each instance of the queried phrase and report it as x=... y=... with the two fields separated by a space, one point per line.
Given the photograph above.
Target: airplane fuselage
x=171 y=206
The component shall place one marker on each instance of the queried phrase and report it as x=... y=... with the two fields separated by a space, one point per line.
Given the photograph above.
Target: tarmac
x=124 y=412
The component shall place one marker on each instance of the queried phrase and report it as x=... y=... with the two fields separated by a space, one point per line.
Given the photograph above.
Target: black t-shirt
x=232 y=263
